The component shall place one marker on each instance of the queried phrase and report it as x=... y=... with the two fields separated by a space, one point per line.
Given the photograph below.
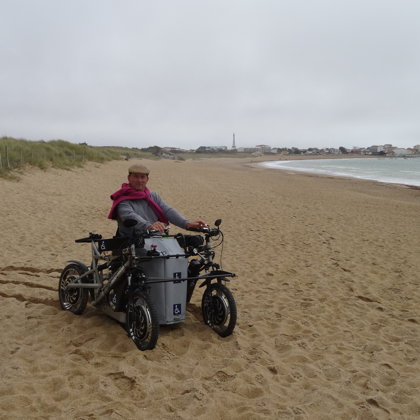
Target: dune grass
x=17 y=154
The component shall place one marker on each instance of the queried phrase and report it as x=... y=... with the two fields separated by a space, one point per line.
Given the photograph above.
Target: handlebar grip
x=202 y=230
x=83 y=240
x=153 y=232
x=207 y=231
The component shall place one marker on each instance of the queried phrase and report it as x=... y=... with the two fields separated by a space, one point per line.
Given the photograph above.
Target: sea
x=391 y=170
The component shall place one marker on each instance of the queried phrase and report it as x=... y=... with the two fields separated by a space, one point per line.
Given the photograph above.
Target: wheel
x=219 y=309
x=74 y=299
x=142 y=321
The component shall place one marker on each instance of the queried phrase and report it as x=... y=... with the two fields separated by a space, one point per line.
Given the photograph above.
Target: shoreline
x=335 y=173
x=16 y=173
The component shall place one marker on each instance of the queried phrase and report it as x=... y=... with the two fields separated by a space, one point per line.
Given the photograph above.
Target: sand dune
x=327 y=291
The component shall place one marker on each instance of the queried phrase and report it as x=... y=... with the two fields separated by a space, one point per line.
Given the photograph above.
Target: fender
x=80 y=264
x=219 y=275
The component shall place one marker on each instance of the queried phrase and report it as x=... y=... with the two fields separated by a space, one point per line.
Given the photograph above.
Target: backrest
x=114 y=244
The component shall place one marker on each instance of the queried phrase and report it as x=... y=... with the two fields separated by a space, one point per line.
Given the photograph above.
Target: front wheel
x=142 y=321
x=219 y=309
x=72 y=299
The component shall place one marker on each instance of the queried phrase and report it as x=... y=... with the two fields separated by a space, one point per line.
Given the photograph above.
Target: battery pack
x=168 y=264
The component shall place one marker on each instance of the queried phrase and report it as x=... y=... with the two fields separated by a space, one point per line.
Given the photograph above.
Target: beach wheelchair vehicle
x=146 y=281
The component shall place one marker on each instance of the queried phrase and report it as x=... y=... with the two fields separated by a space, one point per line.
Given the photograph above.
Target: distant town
x=263 y=149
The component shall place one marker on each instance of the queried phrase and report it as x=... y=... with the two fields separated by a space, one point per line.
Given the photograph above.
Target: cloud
x=187 y=73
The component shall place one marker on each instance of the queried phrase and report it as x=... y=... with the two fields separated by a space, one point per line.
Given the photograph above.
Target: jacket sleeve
x=173 y=216
x=126 y=211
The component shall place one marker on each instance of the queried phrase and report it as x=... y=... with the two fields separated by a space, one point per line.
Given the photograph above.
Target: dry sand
x=327 y=291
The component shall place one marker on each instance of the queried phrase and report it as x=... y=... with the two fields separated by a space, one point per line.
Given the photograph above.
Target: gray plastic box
x=169 y=297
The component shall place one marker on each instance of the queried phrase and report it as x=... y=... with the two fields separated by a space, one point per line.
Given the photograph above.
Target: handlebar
x=92 y=237
x=206 y=231
x=209 y=232
x=152 y=232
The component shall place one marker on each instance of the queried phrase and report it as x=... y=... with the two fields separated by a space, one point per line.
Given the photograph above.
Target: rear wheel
x=72 y=299
x=219 y=309
x=142 y=321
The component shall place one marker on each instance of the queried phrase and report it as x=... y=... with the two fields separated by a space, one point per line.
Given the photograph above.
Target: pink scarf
x=126 y=192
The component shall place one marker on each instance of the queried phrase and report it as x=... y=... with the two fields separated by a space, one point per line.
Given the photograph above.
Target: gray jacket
x=145 y=216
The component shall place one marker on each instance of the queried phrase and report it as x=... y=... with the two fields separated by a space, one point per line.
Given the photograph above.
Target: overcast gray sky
x=186 y=73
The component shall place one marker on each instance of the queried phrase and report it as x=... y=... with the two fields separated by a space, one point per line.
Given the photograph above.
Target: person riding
x=134 y=201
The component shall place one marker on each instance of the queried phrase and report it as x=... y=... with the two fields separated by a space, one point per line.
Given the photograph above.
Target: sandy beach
x=327 y=292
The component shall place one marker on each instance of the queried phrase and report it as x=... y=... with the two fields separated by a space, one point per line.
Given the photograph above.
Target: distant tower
x=233 y=143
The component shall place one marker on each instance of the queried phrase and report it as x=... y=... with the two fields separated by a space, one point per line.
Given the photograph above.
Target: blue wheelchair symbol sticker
x=177 y=309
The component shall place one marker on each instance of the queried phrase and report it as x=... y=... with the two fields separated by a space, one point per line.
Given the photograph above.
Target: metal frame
x=95 y=270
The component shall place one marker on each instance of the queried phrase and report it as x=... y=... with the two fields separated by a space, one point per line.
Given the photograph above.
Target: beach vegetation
x=18 y=154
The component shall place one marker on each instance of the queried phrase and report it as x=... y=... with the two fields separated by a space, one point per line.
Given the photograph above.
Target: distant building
x=312 y=151
x=388 y=148
x=400 y=152
x=211 y=149
x=264 y=148
x=376 y=150
x=247 y=149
